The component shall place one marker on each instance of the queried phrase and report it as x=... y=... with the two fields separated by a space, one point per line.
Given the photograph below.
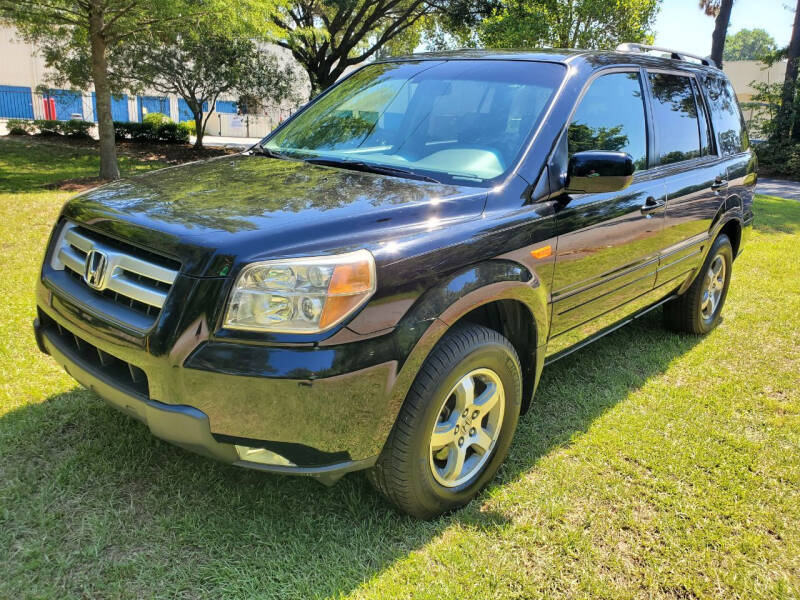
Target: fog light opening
x=262 y=456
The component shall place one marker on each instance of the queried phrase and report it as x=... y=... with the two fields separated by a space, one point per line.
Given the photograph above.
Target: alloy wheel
x=714 y=285
x=467 y=427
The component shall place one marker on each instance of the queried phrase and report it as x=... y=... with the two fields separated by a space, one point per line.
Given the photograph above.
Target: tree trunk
x=321 y=80
x=720 y=31
x=105 y=124
x=788 y=108
x=199 y=127
x=790 y=102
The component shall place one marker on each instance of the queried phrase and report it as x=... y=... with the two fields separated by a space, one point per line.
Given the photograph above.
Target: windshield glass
x=455 y=121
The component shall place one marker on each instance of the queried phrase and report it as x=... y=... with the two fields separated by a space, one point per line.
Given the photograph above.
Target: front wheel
x=698 y=310
x=456 y=424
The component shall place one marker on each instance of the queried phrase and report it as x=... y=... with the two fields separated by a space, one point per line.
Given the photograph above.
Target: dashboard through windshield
x=455 y=121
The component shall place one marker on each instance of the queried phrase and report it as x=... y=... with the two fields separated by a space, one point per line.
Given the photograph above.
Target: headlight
x=301 y=295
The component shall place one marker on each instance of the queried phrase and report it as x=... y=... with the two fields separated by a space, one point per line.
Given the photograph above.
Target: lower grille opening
x=118 y=372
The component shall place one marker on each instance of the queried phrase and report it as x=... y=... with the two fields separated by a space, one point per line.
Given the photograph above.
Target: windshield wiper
x=262 y=151
x=357 y=165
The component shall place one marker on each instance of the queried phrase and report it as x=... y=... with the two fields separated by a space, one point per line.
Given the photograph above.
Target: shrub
x=144 y=133
x=173 y=133
x=779 y=158
x=48 y=127
x=75 y=128
x=191 y=127
x=156 y=119
x=136 y=132
x=20 y=127
x=120 y=131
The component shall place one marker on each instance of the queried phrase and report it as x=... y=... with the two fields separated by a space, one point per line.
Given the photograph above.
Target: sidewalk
x=781 y=188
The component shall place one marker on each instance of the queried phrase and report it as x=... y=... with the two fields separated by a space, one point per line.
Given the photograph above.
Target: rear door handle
x=651 y=204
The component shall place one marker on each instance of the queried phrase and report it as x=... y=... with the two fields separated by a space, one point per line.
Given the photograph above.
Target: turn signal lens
x=542 y=252
x=303 y=295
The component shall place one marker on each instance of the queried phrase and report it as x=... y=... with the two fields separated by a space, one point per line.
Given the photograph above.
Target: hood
x=242 y=208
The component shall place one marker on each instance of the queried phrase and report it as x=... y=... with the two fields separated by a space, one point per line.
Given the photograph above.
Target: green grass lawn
x=651 y=465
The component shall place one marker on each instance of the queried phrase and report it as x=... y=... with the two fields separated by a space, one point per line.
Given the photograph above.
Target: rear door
x=691 y=169
x=732 y=143
x=608 y=244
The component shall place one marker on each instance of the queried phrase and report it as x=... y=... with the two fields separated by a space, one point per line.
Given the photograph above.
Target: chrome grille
x=121 y=276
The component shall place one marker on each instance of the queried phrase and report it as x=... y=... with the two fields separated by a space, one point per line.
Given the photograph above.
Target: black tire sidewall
x=434 y=496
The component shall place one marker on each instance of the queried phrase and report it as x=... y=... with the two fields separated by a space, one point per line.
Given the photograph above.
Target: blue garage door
x=153 y=104
x=68 y=103
x=16 y=102
x=119 y=108
x=184 y=113
x=226 y=106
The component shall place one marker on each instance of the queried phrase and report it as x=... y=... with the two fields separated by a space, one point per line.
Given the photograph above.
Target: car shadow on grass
x=118 y=512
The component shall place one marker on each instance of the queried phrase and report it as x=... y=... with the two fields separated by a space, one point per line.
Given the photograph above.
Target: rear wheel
x=699 y=309
x=456 y=424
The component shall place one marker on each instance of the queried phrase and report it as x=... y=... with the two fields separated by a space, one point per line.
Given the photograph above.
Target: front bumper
x=232 y=401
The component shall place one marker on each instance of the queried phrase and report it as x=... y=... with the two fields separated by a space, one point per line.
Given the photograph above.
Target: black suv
x=379 y=283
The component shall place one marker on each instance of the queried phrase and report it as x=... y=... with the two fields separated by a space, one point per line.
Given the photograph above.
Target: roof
x=559 y=55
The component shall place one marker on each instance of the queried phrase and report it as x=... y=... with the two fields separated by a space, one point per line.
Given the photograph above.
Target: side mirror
x=597 y=171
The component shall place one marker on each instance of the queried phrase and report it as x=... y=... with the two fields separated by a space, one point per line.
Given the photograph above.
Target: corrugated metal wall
x=16 y=102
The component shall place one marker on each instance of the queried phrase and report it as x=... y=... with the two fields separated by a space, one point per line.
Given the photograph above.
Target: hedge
x=20 y=127
x=147 y=132
x=152 y=132
x=73 y=128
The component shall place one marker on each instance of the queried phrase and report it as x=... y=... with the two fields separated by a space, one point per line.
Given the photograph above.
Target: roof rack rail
x=674 y=54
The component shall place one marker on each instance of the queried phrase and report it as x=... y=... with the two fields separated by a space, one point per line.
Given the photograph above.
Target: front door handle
x=719 y=184
x=651 y=204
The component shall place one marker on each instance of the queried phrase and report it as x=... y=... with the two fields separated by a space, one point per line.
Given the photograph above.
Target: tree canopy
x=79 y=38
x=749 y=44
x=328 y=36
x=199 y=62
x=569 y=23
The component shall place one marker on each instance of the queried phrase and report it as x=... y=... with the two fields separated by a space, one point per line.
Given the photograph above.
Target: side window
x=726 y=116
x=611 y=117
x=675 y=117
x=706 y=145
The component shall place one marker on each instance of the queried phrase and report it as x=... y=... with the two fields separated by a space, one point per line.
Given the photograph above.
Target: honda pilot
x=378 y=284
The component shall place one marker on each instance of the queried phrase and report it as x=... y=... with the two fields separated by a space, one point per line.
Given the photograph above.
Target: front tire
x=699 y=309
x=455 y=427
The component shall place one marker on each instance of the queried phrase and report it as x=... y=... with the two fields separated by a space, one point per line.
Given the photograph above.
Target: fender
x=440 y=307
x=730 y=210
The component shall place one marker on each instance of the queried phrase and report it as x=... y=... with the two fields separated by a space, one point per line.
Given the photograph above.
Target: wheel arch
x=500 y=294
x=733 y=229
x=728 y=220
x=514 y=321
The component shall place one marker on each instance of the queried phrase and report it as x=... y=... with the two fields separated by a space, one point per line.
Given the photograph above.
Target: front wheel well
x=733 y=229
x=515 y=322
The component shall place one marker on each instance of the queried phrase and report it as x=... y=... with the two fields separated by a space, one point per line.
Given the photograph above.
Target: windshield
x=453 y=121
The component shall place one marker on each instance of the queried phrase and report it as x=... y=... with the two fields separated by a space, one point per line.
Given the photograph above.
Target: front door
x=608 y=244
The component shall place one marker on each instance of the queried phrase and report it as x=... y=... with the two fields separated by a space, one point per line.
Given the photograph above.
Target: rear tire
x=456 y=424
x=699 y=309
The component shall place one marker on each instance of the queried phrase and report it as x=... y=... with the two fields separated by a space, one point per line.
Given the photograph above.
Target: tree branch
x=80 y=20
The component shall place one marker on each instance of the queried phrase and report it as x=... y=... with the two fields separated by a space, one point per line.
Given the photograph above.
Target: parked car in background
x=379 y=283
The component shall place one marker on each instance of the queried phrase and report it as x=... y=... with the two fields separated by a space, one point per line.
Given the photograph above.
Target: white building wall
x=743 y=72
x=21 y=65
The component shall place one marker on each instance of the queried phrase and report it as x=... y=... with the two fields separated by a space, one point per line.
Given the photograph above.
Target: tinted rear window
x=675 y=117
x=726 y=116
